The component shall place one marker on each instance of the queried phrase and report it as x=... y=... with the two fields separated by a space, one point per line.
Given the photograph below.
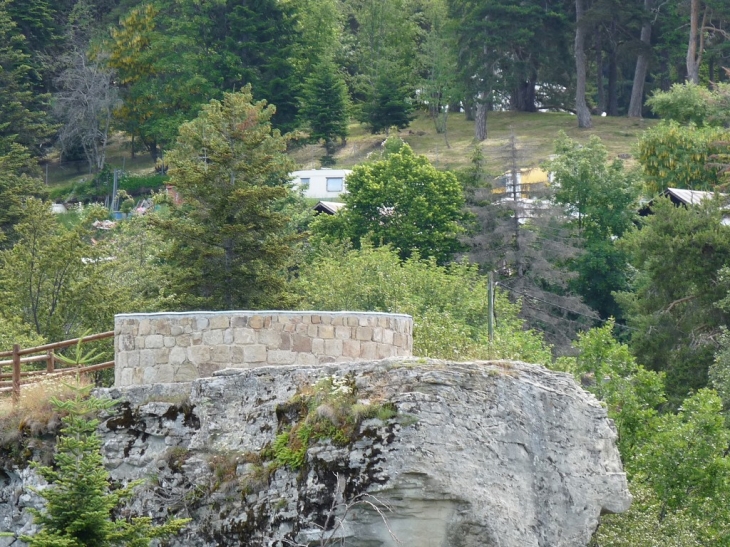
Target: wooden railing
x=13 y=380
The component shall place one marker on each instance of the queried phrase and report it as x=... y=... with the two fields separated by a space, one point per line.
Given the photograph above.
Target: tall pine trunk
x=480 y=120
x=599 y=72
x=581 y=108
x=696 y=42
x=613 y=82
x=642 y=65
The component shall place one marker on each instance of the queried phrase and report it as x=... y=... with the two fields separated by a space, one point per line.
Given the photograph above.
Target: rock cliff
x=432 y=453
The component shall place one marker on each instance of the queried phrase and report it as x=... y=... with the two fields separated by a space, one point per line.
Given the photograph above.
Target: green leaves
x=401 y=201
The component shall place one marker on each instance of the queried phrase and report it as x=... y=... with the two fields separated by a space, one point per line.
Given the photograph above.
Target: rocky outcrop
x=436 y=454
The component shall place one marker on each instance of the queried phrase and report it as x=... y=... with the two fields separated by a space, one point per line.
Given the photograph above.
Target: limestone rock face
x=479 y=454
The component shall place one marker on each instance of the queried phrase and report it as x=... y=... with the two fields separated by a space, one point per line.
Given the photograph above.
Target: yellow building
x=530 y=182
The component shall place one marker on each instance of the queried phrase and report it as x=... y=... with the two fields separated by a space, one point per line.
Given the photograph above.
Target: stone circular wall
x=179 y=347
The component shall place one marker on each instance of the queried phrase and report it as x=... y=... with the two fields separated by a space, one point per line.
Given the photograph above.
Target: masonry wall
x=179 y=347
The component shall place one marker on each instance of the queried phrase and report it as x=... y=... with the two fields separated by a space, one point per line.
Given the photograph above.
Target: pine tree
x=231 y=242
x=80 y=501
x=389 y=103
x=325 y=104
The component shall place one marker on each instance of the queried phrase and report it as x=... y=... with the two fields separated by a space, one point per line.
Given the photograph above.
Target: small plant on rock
x=79 y=499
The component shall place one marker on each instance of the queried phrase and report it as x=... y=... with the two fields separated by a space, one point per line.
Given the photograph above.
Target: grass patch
x=535 y=132
x=329 y=409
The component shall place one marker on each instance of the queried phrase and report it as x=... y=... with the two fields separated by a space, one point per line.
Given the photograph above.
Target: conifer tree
x=324 y=105
x=79 y=501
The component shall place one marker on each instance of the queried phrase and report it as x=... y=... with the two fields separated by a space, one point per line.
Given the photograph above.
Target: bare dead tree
x=84 y=104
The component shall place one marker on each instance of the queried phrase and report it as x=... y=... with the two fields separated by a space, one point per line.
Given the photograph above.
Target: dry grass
x=34 y=415
x=535 y=134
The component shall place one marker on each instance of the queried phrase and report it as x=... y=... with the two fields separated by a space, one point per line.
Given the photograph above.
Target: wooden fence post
x=50 y=361
x=16 y=373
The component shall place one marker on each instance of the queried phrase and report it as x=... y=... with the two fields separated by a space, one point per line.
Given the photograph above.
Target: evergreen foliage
x=80 y=500
x=325 y=104
x=230 y=239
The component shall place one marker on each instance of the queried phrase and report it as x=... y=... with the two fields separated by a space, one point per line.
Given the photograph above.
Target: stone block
x=228 y=336
x=125 y=342
x=162 y=356
x=220 y=322
x=333 y=347
x=239 y=321
x=387 y=336
x=338 y=321
x=184 y=340
x=301 y=343
x=281 y=357
x=213 y=337
x=343 y=333
x=301 y=328
x=291 y=327
x=169 y=341
x=220 y=354
x=132 y=358
x=326 y=331
x=126 y=378
x=383 y=322
x=267 y=322
x=201 y=323
x=305 y=359
x=198 y=354
x=351 y=348
x=399 y=339
x=147 y=358
x=285 y=341
x=363 y=321
x=186 y=373
x=312 y=331
x=316 y=319
x=326 y=319
x=256 y=322
x=161 y=326
x=236 y=355
x=384 y=351
x=244 y=336
x=255 y=353
x=177 y=356
x=368 y=350
x=197 y=338
x=145 y=327
x=139 y=342
x=353 y=322
x=120 y=359
x=317 y=346
x=364 y=333
x=377 y=334
x=270 y=338
x=176 y=330
x=154 y=341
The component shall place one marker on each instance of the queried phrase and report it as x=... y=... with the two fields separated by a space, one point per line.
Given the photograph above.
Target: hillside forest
x=595 y=273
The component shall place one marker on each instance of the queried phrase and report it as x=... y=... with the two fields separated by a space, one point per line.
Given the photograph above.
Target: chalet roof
x=687 y=197
x=328 y=207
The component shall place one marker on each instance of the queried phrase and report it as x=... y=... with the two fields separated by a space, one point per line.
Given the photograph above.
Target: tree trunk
x=642 y=65
x=455 y=107
x=480 y=122
x=599 y=72
x=581 y=108
x=613 y=82
x=523 y=96
x=469 y=109
x=696 y=42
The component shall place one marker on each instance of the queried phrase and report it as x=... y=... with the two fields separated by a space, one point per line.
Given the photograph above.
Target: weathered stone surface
x=479 y=455
x=209 y=341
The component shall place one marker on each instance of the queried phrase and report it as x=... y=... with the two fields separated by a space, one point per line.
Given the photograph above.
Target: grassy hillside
x=535 y=137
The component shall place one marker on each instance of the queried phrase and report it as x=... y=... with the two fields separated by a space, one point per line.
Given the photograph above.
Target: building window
x=304 y=183
x=334 y=184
